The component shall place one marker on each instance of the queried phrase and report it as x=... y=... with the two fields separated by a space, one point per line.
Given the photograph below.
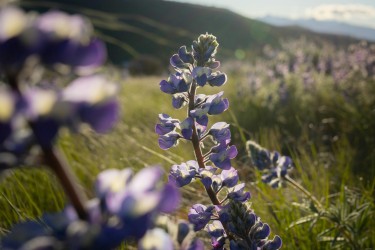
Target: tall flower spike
x=230 y=222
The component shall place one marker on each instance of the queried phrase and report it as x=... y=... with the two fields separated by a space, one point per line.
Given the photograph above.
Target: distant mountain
x=327 y=27
x=158 y=28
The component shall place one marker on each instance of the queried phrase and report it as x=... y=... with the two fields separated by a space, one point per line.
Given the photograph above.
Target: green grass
x=25 y=193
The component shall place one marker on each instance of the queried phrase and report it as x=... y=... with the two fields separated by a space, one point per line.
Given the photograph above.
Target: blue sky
x=360 y=12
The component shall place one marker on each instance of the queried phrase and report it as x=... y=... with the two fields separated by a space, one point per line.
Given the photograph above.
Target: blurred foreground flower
x=54 y=38
x=35 y=115
x=125 y=208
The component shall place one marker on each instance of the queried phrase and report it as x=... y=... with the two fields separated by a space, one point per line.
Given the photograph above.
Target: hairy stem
x=198 y=152
x=196 y=146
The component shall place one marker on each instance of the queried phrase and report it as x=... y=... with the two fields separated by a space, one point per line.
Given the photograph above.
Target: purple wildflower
x=199 y=215
x=222 y=158
x=167 y=124
x=176 y=83
x=229 y=177
x=237 y=193
x=169 y=140
x=184 y=173
x=220 y=131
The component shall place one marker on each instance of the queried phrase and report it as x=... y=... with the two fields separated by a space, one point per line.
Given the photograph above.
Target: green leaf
x=303 y=220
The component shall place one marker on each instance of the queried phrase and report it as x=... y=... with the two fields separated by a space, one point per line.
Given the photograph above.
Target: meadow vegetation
x=307 y=100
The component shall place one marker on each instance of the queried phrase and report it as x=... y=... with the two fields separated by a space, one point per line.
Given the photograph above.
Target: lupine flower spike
x=228 y=220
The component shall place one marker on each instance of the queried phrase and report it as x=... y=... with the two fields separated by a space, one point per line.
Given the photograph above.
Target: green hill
x=158 y=28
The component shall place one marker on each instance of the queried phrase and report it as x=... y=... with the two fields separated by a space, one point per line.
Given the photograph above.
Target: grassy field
x=326 y=171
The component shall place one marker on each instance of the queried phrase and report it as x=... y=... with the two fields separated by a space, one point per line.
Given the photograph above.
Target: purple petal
x=262 y=232
x=171 y=198
x=229 y=177
x=93 y=54
x=169 y=140
x=232 y=152
x=166 y=87
x=153 y=175
x=5 y=131
x=101 y=117
x=218 y=108
x=217 y=79
x=216 y=229
x=176 y=61
x=201 y=80
x=178 y=101
x=185 y=56
x=275 y=244
x=112 y=180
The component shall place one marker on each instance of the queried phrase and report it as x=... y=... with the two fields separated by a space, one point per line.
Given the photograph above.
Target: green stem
x=303 y=190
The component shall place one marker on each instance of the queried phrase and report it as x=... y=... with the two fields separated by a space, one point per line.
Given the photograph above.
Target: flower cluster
x=52 y=39
x=32 y=112
x=194 y=70
x=273 y=166
x=39 y=55
x=125 y=208
x=34 y=115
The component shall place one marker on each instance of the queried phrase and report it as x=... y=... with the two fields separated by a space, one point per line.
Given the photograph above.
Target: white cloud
x=343 y=12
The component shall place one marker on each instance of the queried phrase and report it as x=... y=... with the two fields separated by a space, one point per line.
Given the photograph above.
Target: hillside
x=158 y=28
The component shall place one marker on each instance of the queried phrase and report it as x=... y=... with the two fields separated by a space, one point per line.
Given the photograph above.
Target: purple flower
x=168 y=124
x=201 y=74
x=274 y=175
x=220 y=131
x=260 y=157
x=216 y=229
x=125 y=209
x=274 y=244
x=122 y=184
x=177 y=83
x=222 y=158
x=18 y=39
x=186 y=127
x=199 y=215
x=93 y=98
x=212 y=105
x=55 y=37
x=206 y=175
x=217 y=79
x=168 y=140
x=177 y=62
x=216 y=104
x=183 y=174
x=135 y=200
x=178 y=100
x=229 y=177
x=185 y=56
x=86 y=100
x=237 y=193
x=68 y=41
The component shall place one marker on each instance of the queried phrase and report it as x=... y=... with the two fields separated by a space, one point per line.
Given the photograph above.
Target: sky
x=359 y=12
